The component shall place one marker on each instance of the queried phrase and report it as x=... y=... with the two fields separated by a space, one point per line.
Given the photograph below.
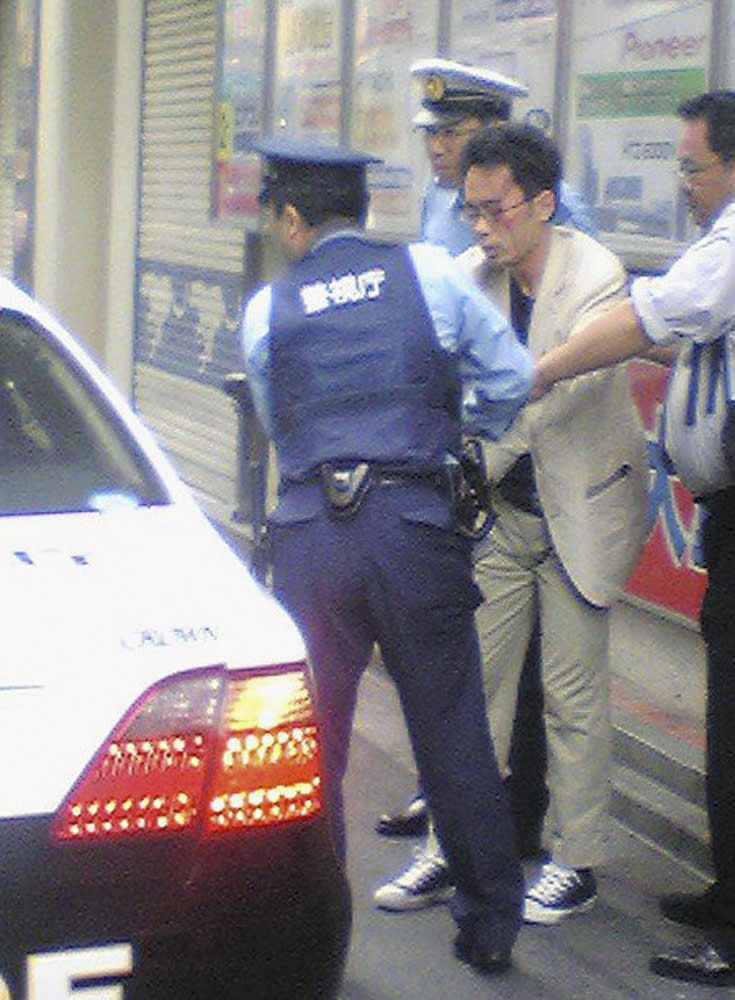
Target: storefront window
x=239 y=110
x=389 y=36
x=628 y=79
x=341 y=71
x=308 y=84
x=516 y=38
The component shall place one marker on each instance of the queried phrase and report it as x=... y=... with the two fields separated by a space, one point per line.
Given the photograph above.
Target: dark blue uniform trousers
x=390 y=576
x=718 y=631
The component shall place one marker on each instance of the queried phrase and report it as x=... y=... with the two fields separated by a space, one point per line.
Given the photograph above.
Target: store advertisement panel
x=389 y=36
x=628 y=80
x=516 y=38
x=308 y=86
x=670 y=574
x=239 y=109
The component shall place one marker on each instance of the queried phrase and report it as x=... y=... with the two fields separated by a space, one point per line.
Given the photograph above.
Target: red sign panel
x=670 y=573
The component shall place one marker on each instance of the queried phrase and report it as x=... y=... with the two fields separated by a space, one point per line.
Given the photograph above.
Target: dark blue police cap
x=281 y=147
x=286 y=159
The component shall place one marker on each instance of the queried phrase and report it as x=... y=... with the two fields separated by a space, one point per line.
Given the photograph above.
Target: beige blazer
x=586 y=441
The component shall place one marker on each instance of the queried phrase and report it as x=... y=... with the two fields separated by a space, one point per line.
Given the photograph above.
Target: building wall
x=86 y=188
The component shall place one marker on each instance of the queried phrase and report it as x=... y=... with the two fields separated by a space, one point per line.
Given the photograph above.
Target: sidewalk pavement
x=657 y=697
x=602 y=955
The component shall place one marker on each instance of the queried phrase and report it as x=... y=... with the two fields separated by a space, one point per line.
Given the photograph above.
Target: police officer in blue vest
x=367 y=360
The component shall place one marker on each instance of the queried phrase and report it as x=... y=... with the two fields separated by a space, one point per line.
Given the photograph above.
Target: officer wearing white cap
x=457 y=100
x=453 y=89
x=367 y=361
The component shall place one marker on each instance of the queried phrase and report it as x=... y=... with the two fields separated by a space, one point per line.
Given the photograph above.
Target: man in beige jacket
x=569 y=482
x=570 y=492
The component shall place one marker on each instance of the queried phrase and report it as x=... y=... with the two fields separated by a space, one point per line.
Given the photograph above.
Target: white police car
x=162 y=831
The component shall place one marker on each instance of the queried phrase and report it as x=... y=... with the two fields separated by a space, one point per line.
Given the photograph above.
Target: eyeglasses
x=687 y=169
x=490 y=211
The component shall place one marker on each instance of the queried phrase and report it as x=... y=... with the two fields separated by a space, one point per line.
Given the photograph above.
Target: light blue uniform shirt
x=694 y=304
x=495 y=369
x=443 y=225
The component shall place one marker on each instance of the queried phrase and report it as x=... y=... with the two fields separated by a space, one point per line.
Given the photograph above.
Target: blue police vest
x=356 y=369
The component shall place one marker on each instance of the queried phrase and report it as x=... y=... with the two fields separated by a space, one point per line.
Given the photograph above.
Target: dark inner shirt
x=518 y=485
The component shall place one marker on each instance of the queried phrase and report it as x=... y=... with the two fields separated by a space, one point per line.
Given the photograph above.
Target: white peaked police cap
x=454 y=90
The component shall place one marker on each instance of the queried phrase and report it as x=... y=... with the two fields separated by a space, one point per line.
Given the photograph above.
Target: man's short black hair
x=533 y=158
x=717 y=107
x=321 y=192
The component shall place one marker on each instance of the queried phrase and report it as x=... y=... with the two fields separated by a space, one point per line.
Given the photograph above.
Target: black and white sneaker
x=559 y=893
x=424 y=883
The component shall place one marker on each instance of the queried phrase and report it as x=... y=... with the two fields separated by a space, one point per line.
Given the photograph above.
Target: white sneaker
x=425 y=883
x=558 y=893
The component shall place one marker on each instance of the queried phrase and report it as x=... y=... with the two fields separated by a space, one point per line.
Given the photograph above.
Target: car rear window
x=62 y=446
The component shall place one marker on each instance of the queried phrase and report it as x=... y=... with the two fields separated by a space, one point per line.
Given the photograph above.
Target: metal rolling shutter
x=189 y=270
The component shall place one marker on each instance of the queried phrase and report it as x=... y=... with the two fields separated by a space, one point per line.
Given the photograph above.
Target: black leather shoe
x=412 y=822
x=693 y=909
x=468 y=950
x=702 y=963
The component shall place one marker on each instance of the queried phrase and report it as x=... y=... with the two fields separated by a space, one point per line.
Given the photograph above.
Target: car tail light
x=212 y=750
